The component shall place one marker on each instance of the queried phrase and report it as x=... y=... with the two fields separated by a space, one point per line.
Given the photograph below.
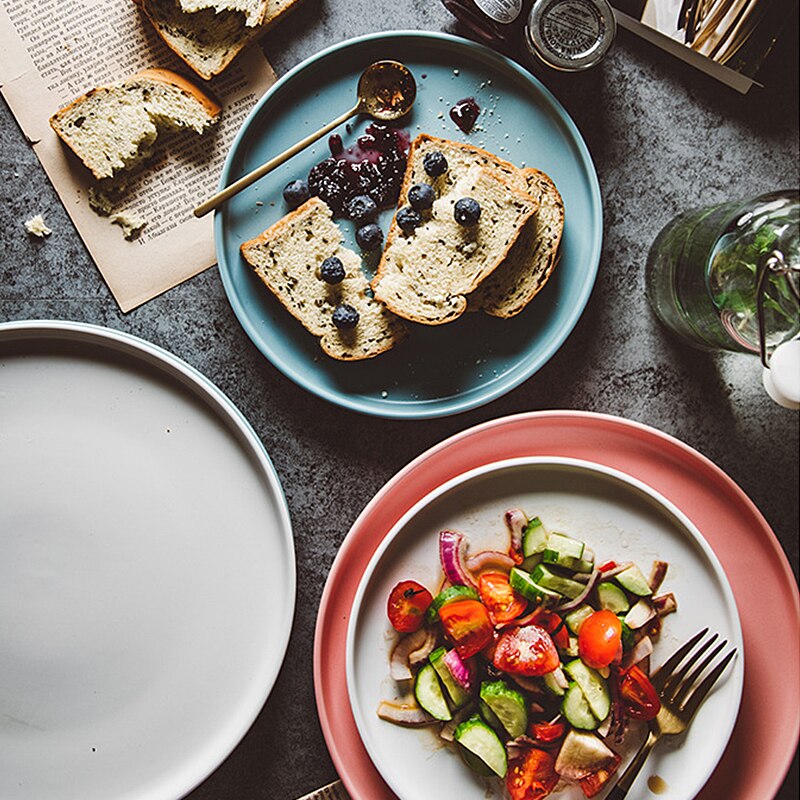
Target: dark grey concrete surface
x=663 y=136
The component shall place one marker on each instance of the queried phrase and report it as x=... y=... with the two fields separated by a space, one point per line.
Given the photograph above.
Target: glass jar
x=728 y=276
x=567 y=35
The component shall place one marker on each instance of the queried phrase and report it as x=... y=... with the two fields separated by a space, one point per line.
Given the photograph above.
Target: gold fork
x=681 y=693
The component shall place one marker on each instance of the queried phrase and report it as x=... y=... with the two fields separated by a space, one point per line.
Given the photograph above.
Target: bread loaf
x=113 y=128
x=209 y=34
x=288 y=257
x=531 y=260
x=425 y=275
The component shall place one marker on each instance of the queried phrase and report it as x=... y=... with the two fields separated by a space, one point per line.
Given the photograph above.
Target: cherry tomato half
x=502 y=602
x=526 y=651
x=599 y=639
x=546 y=732
x=639 y=697
x=533 y=776
x=556 y=627
x=467 y=625
x=408 y=602
x=593 y=784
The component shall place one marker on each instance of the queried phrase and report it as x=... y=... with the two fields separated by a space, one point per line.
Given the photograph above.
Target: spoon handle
x=220 y=197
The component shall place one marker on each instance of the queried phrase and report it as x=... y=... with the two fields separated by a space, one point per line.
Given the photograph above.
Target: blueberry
x=467 y=212
x=435 y=163
x=296 y=193
x=408 y=219
x=332 y=270
x=361 y=208
x=369 y=237
x=345 y=317
x=421 y=196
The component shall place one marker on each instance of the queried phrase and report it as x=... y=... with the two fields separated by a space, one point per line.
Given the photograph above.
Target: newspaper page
x=52 y=51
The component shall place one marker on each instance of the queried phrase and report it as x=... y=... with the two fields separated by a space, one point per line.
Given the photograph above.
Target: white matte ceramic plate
x=147 y=577
x=619 y=518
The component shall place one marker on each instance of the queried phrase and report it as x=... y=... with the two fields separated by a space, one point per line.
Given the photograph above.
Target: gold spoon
x=386 y=91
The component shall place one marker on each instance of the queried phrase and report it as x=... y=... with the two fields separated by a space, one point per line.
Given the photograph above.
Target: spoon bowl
x=386 y=90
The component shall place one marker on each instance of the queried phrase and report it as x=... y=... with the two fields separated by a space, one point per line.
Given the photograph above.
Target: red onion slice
x=657 y=575
x=639 y=615
x=583 y=595
x=404 y=714
x=489 y=559
x=451 y=553
x=399 y=665
x=516 y=521
x=664 y=604
x=463 y=672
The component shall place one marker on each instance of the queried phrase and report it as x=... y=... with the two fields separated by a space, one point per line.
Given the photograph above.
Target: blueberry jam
x=374 y=166
x=464 y=113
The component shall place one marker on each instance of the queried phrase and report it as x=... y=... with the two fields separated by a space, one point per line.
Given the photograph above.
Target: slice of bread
x=252 y=10
x=425 y=275
x=288 y=256
x=113 y=128
x=209 y=34
x=531 y=260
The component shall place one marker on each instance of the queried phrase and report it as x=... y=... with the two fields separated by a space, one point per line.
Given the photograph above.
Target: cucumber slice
x=522 y=582
x=429 y=694
x=445 y=596
x=612 y=598
x=508 y=706
x=490 y=717
x=593 y=686
x=628 y=639
x=552 y=684
x=575 y=707
x=475 y=763
x=575 y=618
x=565 y=546
x=546 y=578
x=529 y=564
x=582 y=565
x=572 y=649
x=534 y=538
x=475 y=736
x=634 y=581
x=454 y=691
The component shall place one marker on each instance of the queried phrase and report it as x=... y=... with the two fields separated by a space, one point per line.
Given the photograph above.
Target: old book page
x=52 y=51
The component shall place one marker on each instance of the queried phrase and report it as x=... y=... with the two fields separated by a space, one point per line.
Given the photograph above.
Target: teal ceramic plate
x=437 y=370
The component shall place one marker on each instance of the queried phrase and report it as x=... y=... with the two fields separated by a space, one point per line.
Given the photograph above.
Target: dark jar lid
x=570 y=35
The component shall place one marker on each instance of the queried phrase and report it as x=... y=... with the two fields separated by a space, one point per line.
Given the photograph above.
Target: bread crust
x=394 y=228
x=505 y=310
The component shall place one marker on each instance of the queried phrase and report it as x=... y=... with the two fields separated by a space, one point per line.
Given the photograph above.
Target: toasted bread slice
x=209 y=34
x=288 y=256
x=531 y=260
x=113 y=128
x=426 y=275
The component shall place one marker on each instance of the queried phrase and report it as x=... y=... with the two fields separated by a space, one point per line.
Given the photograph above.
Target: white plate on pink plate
x=620 y=518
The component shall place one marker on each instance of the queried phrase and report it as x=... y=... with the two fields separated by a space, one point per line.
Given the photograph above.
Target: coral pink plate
x=763 y=742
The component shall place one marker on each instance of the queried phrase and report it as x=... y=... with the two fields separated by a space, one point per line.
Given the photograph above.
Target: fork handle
x=629 y=776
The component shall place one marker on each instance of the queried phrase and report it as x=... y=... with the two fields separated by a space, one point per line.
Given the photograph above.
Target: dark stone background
x=663 y=136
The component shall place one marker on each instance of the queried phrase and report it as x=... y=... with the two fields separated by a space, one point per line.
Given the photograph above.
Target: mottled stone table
x=663 y=137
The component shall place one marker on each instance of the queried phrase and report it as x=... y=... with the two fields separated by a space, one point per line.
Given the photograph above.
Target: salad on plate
x=532 y=662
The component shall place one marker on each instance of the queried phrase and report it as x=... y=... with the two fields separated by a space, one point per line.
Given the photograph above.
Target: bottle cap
x=570 y=35
x=782 y=378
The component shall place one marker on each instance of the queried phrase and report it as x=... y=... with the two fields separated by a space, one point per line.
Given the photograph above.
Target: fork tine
x=660 y=676
x=682 y=691
x=699 y=694
x=676 y=680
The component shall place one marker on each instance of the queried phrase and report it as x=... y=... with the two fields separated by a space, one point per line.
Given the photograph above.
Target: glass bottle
x=728 y=276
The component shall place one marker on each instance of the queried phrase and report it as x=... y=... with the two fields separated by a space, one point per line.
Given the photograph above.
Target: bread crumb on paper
x=131 y=224
x=36 y=226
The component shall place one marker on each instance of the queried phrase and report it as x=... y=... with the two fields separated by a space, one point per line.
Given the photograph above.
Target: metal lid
x=570 y=35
